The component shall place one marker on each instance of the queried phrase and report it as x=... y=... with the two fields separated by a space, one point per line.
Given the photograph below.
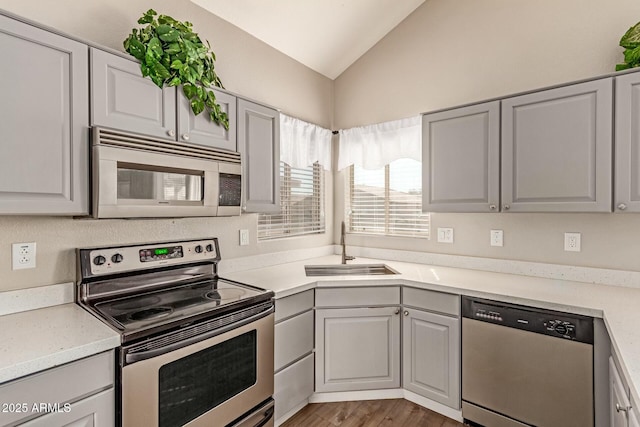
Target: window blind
x=301 y=202
x=387 y=200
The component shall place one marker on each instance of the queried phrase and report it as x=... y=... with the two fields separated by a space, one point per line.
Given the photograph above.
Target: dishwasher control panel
x=556 y=324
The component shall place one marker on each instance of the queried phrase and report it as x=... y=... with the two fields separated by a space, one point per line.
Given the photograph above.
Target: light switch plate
x=244 y=237
x=496 y=238
x=445 y=235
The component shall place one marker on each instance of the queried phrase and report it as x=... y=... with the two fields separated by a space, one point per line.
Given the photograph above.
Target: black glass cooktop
x=149 y=309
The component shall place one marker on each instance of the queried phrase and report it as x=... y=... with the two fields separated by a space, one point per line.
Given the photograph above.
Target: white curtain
x=302 y=143
x=372 y=147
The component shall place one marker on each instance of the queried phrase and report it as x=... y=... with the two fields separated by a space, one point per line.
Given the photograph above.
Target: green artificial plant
x=171 y=54
x=631 y=44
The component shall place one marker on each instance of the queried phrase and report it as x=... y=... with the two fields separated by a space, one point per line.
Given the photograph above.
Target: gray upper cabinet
x=557 y=149
x=259 y=145
x=122 y=99
x=201 y=130
x=44 y=126
x=461 y=158
x=627 y=161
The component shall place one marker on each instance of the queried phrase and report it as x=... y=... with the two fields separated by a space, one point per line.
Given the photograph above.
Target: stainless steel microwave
x=136 y=176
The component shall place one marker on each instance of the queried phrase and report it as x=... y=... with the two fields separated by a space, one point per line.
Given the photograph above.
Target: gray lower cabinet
x=627 y=153
x=461 y=159
x=634 y=419
x=122 y=99
x=293 y=358
x=431 y=345
x=259 y=145
x=78 y=394
x=357 y=349
x=44 y=126
x=557 y=149
x=619 y=405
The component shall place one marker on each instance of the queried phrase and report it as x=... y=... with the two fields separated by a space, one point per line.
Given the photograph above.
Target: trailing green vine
x=630 y=41
x=171 y=54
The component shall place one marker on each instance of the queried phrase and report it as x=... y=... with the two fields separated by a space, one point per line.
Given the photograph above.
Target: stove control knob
x=198 y=249
x=116 y=258
x=99 y=260
x=209 y=248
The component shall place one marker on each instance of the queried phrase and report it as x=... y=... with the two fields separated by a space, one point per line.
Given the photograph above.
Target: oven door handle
x=148 y=354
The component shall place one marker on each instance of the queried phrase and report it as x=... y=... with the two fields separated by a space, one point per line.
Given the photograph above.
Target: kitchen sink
x=349 y=270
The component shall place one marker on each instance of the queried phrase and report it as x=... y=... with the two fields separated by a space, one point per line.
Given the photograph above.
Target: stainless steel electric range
x=197 y=350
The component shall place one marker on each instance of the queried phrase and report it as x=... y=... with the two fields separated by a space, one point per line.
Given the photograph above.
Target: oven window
x=138 y=184
x=193 y=385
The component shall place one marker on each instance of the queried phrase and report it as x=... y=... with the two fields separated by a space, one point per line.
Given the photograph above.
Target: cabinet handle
x=397 y=311
x=406 y=313
x=620 y=408
x=171 y=132
x=492 y=207
x=622 y=206
x=185 y=136
x=507 y=207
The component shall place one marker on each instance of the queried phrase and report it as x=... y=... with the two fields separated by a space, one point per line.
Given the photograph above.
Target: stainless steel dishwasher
x=523 y=366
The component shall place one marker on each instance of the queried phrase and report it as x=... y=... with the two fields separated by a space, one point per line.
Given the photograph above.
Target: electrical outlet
x=445 y=235
x=23 y=255
x=244 y=237
x=496 y=238
x=572 y=242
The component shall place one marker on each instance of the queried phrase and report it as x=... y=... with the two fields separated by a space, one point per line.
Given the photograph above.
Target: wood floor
x=369 y=413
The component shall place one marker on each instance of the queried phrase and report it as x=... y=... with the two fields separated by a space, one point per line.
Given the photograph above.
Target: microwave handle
x=148 y=354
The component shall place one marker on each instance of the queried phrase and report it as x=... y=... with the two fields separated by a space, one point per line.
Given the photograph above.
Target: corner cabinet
x=557 y=149
x=431 y=345
x=461 y=158
x=619 y=405
x=122 y=99
x=627 y=157
x=259 y=146
x=44 y=126
x=357 y=339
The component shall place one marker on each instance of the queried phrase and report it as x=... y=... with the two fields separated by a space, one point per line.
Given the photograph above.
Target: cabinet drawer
x=63 y=384
x=439 y=302
x=293 y=386
x=293 y=339
x=363 y=296
x=95 y=411
x=294 y=304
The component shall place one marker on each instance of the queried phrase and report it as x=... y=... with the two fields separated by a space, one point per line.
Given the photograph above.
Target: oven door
x=210 y=383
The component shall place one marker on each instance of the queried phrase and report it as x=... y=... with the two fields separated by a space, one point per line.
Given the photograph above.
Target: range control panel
x=542 y=321
x=119 y=259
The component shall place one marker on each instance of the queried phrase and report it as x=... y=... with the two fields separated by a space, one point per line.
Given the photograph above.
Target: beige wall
x=451 y=52
x=245 y=65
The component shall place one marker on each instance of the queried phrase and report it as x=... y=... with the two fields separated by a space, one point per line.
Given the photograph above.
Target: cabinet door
x=201 y=130
x=627 y=152
x=357 y=349
x=618 y=400
x=94 y=411
x=293 y=386
x=44 y=125
x=461 y=159
x=431 y=356
x=259 y=145
x=556 y=149
x=633 y=419
x=122 y=99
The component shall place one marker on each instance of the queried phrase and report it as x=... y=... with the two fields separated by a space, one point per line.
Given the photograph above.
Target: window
x=301 y=202
x=387 y=201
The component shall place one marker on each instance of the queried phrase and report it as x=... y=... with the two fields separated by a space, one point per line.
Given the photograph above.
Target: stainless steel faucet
x=345 y=257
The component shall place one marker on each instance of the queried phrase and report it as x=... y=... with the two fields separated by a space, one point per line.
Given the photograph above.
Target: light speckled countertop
x=618 y=306
x=36 y=340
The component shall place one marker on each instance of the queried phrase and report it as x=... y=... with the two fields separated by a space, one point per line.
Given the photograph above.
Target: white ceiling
x=325 y=35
